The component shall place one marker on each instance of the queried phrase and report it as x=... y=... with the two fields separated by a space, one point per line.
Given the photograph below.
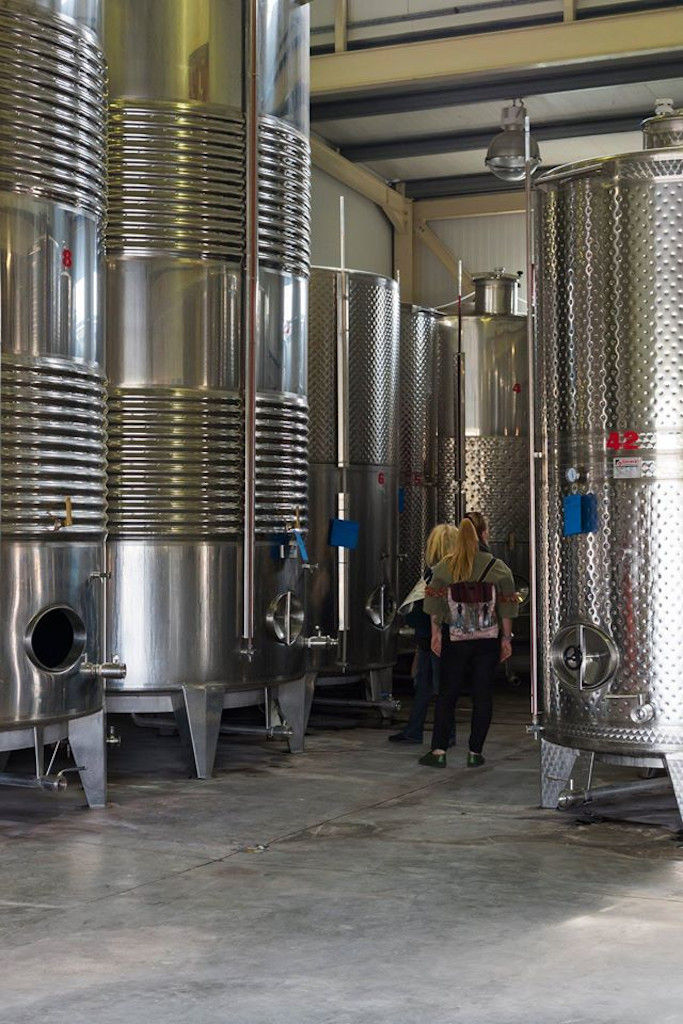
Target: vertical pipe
x=343 y=432
x=533 y=600
x=460 y=422
x=251 y=325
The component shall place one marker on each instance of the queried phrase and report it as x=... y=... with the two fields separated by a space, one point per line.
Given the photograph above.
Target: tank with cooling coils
x=611 y=484
x=418 y=409
x=53 y=414
x=495 y=350
x=179 y=354
x=353 y=387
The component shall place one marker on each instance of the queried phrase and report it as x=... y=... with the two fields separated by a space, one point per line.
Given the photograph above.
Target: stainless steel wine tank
x=180 y=355
x=353 y=379
x=611 y=484
x=419 y=386
x=53 y=416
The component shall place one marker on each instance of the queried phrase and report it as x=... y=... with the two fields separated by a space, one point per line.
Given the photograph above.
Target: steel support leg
x=4 y=758
x=294 y=700
x=557 y=764
x=674 y=764
x=89 y=749
x=198 y=711
x=379 y=688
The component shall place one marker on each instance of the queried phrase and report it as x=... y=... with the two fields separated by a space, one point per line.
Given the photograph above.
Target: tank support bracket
x=198 y=709
x=674 y=764
x=557 y=764
x=87 y=742
x=294 y=700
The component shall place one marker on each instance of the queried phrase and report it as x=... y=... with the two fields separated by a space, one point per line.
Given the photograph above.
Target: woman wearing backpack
x=440 y=542
x=471 y=600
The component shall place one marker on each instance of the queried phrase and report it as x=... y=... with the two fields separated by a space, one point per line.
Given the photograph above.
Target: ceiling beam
x=591 y=75
x=443 y=254
x=440 y=61
x=459 y=185
x=454 y=207
x=395 y=206
x=460 y=142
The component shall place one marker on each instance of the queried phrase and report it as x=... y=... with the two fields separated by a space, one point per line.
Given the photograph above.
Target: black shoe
x=431 y=760
x=475 y=760
x=400 y=737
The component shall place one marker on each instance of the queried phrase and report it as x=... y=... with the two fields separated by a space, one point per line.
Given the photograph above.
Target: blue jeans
x=426 y=684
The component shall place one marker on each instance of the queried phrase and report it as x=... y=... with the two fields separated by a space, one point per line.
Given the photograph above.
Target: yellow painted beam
x=404 y=258
x=570 y=10
x=443 y=254
x=395 y=206
x=341 y=25
x=453 y=207
x=440 y=61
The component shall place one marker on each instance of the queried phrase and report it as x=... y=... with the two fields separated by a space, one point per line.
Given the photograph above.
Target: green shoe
x=475 y=760
x=433 y=760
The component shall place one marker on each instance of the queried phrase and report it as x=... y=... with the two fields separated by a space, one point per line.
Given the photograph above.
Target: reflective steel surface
x=418 y=386
x=495 y=292
x=496 y=436
x=612 y=427
x=448 y=422
x=176 y=338
x=371 y=478
x=53 y=417
x=52 y=81
x=663 y=131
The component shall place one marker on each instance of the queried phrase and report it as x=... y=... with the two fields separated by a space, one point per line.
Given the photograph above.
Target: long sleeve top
x=436 y=600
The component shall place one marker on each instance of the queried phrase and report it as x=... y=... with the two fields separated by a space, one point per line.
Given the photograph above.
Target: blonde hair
x=461 y=560
x=440 y=542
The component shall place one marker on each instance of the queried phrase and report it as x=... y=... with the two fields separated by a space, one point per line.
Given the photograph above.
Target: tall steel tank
x=494 y=345
x=450 y=423
x=194 y=329
x=53 y=417
x=353 y=371
x=611 y=487
x=418 y=409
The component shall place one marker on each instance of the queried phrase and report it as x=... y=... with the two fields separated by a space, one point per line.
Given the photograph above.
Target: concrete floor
x=347 y=885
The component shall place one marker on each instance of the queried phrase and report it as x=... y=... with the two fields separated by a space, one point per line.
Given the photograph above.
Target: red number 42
x=627 y=440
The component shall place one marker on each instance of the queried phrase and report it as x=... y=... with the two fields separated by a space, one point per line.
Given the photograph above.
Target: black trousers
x=465 y=664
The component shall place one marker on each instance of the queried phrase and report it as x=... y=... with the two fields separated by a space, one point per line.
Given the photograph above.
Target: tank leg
x=295 y=701
x=379 y=689
x=557 y=764
x=198 y=711
x=674 y=764
x=87 y=742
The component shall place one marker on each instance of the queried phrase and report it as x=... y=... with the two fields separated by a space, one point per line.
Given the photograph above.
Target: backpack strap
x=487 y=570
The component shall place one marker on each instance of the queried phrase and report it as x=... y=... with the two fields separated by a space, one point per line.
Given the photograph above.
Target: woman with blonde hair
x=440 y=542
x=471 y=600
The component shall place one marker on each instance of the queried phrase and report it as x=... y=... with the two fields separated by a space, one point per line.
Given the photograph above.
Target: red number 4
x=628 y=440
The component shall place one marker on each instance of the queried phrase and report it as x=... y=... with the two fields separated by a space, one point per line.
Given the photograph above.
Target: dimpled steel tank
x=610 y=318
x=418 y=409
x=495 y=351
x=52 y=455
x=177 y=339
x=353 y=380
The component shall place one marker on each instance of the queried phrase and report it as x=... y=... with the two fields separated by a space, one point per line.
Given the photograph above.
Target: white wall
x=481 y=242
x=369 y=244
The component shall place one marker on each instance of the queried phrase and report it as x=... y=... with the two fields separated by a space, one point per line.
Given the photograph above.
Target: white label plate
x=628 y=467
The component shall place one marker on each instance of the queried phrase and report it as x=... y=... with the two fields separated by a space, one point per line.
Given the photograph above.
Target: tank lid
x=411 y=307
x=497 y=274
x=665 y=128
